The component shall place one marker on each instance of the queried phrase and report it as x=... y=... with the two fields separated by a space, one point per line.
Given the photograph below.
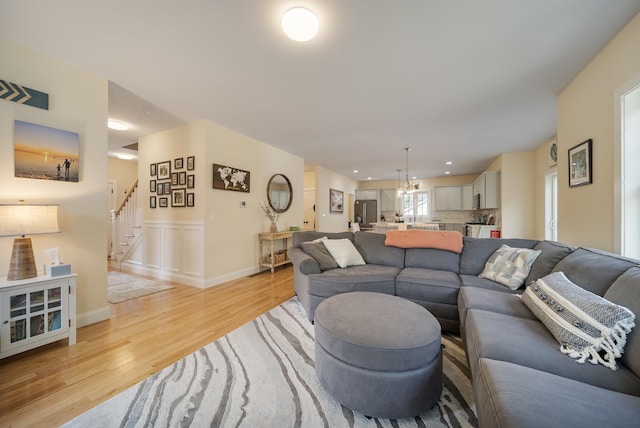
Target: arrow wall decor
x=23 y=95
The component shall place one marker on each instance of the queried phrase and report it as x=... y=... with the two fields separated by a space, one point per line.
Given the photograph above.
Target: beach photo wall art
x=45 y=153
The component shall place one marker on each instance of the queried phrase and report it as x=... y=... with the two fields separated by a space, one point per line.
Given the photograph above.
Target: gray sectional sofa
x=520 y=378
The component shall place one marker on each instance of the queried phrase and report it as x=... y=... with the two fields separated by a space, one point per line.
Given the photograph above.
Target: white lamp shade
x=17 y=220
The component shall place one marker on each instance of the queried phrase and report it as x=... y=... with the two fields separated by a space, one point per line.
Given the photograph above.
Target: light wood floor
x=50 y=385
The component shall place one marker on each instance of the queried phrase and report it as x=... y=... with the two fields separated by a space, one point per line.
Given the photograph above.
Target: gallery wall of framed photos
x=172 y=183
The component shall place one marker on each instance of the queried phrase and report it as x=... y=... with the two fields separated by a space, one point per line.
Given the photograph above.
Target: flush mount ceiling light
x=300 y=24
x=118 y=126
x=125 y=156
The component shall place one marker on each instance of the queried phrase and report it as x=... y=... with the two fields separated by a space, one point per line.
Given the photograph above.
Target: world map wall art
x=230 y=178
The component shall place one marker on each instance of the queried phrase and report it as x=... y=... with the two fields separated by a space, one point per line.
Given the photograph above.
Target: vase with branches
x=272 y=215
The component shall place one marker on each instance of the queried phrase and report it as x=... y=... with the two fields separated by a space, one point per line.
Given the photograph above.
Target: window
x=627 y=173
x=415 y=204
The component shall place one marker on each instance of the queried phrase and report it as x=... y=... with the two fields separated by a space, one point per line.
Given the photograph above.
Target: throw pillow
x=344 y=252
x=587 y=326
x=509 y=266
x=319 y=252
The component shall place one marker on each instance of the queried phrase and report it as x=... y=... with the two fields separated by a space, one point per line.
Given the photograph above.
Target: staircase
x=126 y=227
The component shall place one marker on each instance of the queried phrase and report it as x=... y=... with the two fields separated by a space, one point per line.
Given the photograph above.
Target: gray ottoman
x=378 y=354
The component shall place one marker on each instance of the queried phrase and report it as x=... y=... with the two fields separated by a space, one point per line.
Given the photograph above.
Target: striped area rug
x=262 y=375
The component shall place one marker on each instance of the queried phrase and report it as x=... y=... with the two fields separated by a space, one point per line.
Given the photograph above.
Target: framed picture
x=152 y=170
x=230 y=178
x=160 y=189
x=178 y=197
x=580 y=166
x=152 y=202
x=152 y=186
x=191 y=181
x=174 y=178
x=163 y=202
x=190 y=199
x=553 y=153
x=336 y=201
x=177 y=163
x=167 y=188
x=191 y=163
x=164 y=170
x=182 y=178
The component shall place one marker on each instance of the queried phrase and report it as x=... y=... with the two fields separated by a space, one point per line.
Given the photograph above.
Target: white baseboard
x=93 y=317
x=162 y=274
x=212 y=282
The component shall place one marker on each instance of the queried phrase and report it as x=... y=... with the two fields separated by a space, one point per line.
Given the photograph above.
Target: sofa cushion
x=428 y=284
x=344 y=252
x=319 y=252
x=509 y=395
x=552 y=253
x=587 y=326
x=528 y=343
x=509 y=266
x=476 y=252
x=373 y=250
x=594 y=270
x=431 y=258
x=626 y=292
x=367 y=277
x=476 y=281
x=310 y=235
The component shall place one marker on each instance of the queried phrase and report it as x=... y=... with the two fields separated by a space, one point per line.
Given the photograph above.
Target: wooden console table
x=274 y=259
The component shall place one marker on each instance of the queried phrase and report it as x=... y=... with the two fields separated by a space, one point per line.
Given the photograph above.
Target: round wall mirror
x=279 y=193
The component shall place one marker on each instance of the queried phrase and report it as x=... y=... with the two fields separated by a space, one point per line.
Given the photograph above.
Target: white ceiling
x=459 y=80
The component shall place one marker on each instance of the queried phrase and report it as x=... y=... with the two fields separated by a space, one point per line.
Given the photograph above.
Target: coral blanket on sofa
x=443 y=240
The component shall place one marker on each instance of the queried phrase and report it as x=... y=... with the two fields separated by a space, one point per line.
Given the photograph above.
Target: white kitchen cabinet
x=448 y=198
x=35 y=312
x=362 y=194
x=467 y=197
x=388 y=200
x=488 y=186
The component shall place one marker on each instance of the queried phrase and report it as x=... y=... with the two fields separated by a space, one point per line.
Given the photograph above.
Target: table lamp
x=20 y=220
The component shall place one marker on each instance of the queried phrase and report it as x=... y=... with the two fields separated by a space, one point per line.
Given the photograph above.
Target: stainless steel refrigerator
x=366 y=212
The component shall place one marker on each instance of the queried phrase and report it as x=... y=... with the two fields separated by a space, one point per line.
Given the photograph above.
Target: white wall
x=77 y=102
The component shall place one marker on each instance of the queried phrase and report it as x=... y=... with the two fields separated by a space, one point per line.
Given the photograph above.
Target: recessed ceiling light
x=300 y=24
x=447 y=172
x=355 y=171
x=118 y=126
x=369 y=178
x=125 y=157
x=448 y=163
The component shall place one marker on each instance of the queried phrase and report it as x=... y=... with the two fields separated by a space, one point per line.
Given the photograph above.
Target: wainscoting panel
x=173 y=251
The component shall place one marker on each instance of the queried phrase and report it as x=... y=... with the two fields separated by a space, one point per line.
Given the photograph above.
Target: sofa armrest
x=302 y=261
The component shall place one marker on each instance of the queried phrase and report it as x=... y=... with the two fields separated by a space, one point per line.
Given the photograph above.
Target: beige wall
x=124 y=173
x=231 y=231
x=326 y=180
x=77 y=102
x=517 y=198
x=586 y=110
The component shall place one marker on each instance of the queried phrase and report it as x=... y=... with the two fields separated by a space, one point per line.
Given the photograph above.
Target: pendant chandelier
x=409 y=186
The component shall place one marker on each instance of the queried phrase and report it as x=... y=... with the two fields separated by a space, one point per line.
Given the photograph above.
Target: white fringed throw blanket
x=588 y=326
